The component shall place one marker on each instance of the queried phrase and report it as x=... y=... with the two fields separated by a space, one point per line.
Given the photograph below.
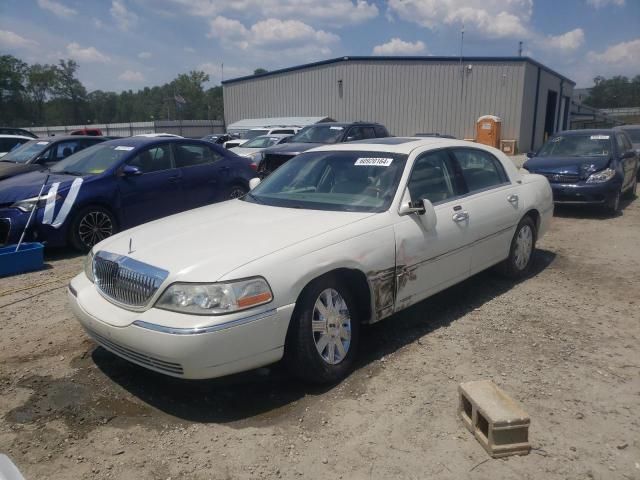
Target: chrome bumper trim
x=197 y=331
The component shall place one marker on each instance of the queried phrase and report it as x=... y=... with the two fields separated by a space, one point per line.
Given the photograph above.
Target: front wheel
x=631 y=193
x=236 y=191
x=323 y=336
x=90 y=226
x=523 y=244
x=613 y=206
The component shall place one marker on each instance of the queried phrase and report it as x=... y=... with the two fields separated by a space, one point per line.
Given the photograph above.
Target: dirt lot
x=565 y=343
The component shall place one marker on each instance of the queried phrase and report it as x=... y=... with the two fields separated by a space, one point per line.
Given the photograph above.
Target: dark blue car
x=116 y=185
x=588 y=167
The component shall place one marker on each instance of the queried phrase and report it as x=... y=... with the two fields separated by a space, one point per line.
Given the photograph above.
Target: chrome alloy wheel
x=331 y=326
x=524 y=247
x=94 y=227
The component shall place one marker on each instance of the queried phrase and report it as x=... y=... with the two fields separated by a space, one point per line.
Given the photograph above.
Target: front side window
x=190 y=155
x=634 y=134
x=65 y=149
x=153 y=159
x=431 y=178
x=480 y=169
x=580 y=145
x=338 y=181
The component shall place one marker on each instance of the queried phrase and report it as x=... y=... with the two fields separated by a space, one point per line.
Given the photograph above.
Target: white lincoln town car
x=338 y=237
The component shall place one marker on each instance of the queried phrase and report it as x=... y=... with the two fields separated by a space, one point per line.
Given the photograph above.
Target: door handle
x=460 y=216
x=513 y=198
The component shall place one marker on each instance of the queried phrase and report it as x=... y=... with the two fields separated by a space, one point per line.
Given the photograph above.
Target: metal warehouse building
x=413 y=95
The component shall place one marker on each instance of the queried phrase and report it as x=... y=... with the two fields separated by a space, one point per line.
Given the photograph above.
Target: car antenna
x=35 y=207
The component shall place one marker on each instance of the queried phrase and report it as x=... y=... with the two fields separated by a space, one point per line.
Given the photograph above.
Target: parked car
x=314 y=136
x=17 y=131
x=10 y=142
x=346 y=235
x=588 y=167
x=92 y=132
x=42 y=153
x=217 y=138
x=119 y=184
x=254 y=148
x=158 y=135
x=257 y=132
x=633 y=131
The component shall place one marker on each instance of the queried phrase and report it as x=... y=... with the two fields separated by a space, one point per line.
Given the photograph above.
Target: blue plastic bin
x=29 y=257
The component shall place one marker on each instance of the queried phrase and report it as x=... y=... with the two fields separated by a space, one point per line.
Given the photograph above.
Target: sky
x=130 y=44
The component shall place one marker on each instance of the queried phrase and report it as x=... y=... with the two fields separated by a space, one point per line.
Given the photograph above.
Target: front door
x=430 y=260
x=155 y=192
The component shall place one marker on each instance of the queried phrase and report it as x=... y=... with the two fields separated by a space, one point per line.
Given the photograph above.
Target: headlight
x=602 y=176
x=28 y=204
x=88 y=266
x=215 y=298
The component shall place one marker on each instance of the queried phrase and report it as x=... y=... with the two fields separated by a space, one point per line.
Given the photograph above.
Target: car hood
x=570 y=165
x=28 y=185
x=204 y=244
x=291 y=148
x=9 y=169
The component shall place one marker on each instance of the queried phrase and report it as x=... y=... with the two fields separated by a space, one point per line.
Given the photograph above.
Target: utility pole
x=461 y=65
x=520 y=48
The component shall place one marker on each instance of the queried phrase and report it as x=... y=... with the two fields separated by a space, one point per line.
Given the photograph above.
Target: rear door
x=204 y=173
x=491 y=205
x=156 y=192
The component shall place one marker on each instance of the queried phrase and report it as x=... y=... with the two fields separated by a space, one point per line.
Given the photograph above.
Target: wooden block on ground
x=496 y=420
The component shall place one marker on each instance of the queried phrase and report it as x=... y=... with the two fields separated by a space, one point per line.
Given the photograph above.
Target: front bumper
x=584 y=193
x=169 y=343
x=13 y=221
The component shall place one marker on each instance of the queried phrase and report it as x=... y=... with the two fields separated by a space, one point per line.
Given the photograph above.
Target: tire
x=101 y=222
x=522 y=251
x=631 y=192
x=236 y=191
x=613 y=206
x=318 y=349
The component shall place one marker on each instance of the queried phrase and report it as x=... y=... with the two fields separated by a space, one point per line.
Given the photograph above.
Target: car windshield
x=260 y=142
x=249 y=134
x=634 y=134
x=348 y=181
x=26 y=152
x=93 y=160
x=582 y=145
x=318 y=134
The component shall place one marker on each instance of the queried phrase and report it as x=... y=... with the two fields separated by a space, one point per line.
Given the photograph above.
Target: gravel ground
x=564 y=343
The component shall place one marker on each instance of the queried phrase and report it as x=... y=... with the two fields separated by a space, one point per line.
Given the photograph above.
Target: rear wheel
x=90 y=226
x=521 y=253
x=323 y=336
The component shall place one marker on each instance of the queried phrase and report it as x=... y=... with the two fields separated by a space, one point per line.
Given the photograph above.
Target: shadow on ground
x=267 y=393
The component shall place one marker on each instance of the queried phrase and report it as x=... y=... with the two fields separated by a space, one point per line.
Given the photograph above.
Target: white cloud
x=125 y=19
x=57 y=8
x=567 y=42
x=131 y=76
x=334 y=13
x=145 y=55
x=283 y=34
x=492 y=18
x=625 y=54
x=396 y=46
x=87 y=54
x=9 y=39
x=604 y=3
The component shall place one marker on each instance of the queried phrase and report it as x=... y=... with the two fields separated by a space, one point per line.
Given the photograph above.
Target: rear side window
x=191 y=155
x=431 y=178
x=153 y=159
x=480 y=169
x=381 y=131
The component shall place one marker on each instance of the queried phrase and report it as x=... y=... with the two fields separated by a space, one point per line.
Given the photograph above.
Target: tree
x=616 y=92
x=69 y=88
x=12 y=99
x=259 y=71
x=41 y=81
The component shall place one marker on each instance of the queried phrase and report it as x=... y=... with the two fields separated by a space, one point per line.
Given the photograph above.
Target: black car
x=17 y=131
x=217 y=138
x=588 y=167
x=43 y=152
x=314 y=136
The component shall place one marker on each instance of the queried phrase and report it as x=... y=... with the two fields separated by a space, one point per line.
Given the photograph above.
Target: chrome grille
x=562 y=177
x=125 y=280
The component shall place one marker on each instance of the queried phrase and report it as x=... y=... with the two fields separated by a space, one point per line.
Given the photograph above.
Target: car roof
x=402 y=145
x=588 y=131
x=6 y=135
x=141 y=141
x=58 y=138
x=274 y=135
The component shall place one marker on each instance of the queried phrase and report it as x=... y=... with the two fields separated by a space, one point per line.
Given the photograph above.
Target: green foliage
x=616 y=92
x=259 y=71
x=32 y=95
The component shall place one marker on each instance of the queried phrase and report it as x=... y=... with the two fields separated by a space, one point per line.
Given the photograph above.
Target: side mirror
x=253 y=183
x=130 y=171
x=531 y=154
x=424 y=209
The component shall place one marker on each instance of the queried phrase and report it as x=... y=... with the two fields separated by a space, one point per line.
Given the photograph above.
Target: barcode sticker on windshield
x=126 y=149
x=378 y=162
x=42 y=143
x=599 y=137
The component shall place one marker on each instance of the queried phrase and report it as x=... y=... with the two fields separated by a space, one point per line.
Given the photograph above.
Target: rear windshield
x=26 y=152
x=583 y=145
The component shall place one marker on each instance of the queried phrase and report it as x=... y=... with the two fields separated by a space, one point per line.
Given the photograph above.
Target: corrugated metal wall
x=406 y=96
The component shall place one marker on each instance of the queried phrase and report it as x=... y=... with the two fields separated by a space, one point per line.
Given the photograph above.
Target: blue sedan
x=117 y=185
x=588 y=167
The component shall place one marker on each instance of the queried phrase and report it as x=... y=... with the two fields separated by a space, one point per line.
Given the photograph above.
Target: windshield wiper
x=68 y=172
x=251 y=195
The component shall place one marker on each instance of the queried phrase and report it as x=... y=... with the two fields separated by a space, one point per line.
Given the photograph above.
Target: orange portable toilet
x=488 y=130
